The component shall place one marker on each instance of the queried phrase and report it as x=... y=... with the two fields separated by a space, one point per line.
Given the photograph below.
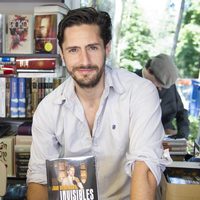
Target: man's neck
x=90 y=94
x=90 y=100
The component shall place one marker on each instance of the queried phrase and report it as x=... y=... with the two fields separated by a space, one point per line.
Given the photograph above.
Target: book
x=45 y=33
x=3 y=97
x=19 y=34
x=28 y=97
x=14 y=97
x=72 y=178
x=16 y=191
x=35 y=63
x=8 y=97
x=7 y=153
x=2 y=33
x=182 y=175
x=51 y=8
x=23 y=139
x=22 y=97
x=24 y=128
x=34 y=99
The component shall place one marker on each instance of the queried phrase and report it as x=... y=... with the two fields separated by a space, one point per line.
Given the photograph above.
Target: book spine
x=35 y=98
x=36 y=63
x=3 y=97
x=22 y=97
x=23 y=139
x=22 y=148
x=2 y=33
x=8 y=97
x=14 y=97
x=28 y=98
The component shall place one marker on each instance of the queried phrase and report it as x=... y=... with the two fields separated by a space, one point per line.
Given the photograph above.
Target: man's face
x=44 y=26
x=149 y=75
x=61 y=175
x=71 y=171
x=84 y=54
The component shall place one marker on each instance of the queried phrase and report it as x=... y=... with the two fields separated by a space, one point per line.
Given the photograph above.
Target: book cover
x=7 y=153
x=72 y=178
x=2 y=33
x=19 y=34
x=45 y=33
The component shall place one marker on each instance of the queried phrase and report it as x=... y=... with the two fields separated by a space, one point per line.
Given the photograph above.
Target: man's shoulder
x=128 y=80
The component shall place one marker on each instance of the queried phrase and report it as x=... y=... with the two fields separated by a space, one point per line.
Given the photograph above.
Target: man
x=163 y=73
x=110 y=113
x=71 y=179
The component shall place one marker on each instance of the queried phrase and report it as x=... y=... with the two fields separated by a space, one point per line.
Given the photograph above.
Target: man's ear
x=61 y=55
x=108 y=48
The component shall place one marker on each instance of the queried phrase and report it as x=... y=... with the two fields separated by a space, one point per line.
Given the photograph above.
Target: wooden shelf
x=30 y=55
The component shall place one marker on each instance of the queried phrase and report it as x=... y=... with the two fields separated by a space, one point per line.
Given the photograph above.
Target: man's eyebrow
x=71 y=47
x=88 y=45
x=93 y=44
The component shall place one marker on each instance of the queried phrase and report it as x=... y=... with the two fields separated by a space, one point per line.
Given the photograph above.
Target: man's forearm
x=37 y=192
x=143 y=184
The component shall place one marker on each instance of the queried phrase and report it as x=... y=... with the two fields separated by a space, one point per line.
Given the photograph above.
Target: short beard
x=90 y=83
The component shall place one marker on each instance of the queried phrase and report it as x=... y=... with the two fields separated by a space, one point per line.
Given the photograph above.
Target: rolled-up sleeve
x=44 y=145
x=146 y=133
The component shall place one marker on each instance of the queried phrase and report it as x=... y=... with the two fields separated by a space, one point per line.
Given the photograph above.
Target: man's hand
x=143 y=184
x=170 y=132
x=37 y=192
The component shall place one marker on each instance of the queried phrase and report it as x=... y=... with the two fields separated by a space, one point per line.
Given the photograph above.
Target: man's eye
x=74 y=50
x=93 y=48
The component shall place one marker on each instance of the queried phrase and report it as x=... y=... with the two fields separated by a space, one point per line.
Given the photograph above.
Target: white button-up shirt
x=127 y=127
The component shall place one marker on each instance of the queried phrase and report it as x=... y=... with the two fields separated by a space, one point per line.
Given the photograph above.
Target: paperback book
x=45 y=34
x=72 y=178
x=19 y=34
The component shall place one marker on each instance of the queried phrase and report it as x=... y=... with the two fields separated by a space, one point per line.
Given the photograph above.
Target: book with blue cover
x=14 y=97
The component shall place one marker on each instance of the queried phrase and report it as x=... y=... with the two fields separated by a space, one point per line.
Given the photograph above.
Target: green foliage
x=188 y=47
x=193 y=13
x=194 y=127
x=136 y=40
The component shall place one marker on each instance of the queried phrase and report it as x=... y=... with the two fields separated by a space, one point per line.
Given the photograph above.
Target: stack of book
x=177 y=147
x=22 y=149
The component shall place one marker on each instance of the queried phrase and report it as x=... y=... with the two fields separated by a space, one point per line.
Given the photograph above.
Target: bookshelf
x=27 y=7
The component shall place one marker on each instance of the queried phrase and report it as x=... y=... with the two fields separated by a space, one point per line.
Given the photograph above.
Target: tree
x=178 y=27
x=188 y=47
x=136 y=40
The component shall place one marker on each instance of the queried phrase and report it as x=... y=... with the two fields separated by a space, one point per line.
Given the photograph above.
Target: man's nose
x=85 y=58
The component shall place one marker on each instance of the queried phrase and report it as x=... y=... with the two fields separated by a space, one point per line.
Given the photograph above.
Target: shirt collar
x=67 y=92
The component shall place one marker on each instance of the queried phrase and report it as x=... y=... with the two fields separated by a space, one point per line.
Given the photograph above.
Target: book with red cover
x=19 y=34
x=45 y=33
x=35 y=63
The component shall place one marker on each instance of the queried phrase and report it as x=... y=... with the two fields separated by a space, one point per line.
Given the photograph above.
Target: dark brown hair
x=90 y=16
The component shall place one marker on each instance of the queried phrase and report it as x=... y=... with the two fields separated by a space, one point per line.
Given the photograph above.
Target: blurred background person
x=163 y=73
